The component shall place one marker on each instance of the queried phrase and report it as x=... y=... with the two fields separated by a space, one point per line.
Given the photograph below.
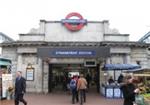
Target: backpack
x=73 y=84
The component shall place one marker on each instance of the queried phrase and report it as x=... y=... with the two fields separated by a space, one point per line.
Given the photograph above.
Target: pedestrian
x=88 y=79
x=111 y=80
x=73 y=88
x=20 y=88
x=81 y=87
x=120 y=78
x=96 y=80
x=129 y=91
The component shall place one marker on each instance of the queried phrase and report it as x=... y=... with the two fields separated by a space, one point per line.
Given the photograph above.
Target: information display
x=109 y=92
x=30 y=74
x=7 y=81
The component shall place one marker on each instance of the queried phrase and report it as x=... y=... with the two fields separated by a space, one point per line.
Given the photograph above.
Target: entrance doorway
x=61 y=74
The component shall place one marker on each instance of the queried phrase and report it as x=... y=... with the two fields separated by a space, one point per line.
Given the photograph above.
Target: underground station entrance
x=77 y=60
x=61 y=74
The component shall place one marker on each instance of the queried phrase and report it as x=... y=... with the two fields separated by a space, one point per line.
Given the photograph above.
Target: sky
x=128 y=16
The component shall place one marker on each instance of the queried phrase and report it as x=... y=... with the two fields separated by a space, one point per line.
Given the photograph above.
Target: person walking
x=129 y=91
x=73 y=87
x=81 y=87
x=88 y=79
x=20 y=88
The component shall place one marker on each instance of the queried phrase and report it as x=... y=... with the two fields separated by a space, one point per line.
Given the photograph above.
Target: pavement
x=63 y=99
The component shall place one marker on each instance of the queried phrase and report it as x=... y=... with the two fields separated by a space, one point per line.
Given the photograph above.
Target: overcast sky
x=128 y=16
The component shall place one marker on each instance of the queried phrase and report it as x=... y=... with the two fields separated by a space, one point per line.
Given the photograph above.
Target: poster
x=109 y=92
x=117 y=93
x=7 y=81
x=30 y=74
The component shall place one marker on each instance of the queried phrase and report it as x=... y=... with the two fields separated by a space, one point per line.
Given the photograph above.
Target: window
x=90 y=63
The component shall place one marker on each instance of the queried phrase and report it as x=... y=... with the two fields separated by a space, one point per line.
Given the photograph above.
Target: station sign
x=74 y=24
x=76 y=52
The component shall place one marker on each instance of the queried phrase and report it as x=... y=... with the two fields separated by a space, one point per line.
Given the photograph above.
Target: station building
x=70 y=47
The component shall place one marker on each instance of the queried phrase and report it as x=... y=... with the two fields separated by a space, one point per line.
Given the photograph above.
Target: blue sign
x=73 y=53
x=74 y=21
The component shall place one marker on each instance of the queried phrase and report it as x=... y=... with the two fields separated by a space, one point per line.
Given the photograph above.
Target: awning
x=5 y=63
x=121 y=66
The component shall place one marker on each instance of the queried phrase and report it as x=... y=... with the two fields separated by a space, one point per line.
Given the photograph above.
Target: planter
x=147 y=101
x=8 y=96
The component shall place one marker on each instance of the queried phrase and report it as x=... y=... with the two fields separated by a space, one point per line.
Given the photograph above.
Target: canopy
x=5 y=63
x=121 y=66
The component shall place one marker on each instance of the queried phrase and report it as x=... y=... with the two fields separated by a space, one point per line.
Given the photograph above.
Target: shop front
x=112 y=90
x=5 y=77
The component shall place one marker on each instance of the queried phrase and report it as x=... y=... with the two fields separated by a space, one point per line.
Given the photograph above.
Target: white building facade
x=53 y=48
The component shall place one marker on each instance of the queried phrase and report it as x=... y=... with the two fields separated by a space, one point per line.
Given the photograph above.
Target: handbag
x=139 y=100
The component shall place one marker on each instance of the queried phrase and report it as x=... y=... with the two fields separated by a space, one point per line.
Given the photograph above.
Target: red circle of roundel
x=71 y=27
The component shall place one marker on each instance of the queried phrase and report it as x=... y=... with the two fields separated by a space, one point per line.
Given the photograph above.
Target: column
x=45 y=77
x=128 y=59
x=39 y=76
x=19 y=62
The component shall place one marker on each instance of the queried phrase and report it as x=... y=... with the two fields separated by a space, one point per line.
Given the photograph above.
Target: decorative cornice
x=81 y=44
x=116 y=34
x=31 y=34
x=125 y=43
x=23 y=43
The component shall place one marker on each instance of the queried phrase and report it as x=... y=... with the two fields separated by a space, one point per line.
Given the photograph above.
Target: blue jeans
x=74 y=95
x=82 y=96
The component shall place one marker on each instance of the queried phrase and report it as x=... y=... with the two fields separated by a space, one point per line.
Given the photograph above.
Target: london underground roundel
x=74 y=24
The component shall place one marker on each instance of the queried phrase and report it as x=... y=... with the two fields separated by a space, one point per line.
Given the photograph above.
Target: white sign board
x=71 y=74
x=117 y=93
x=109 y=92
x=30 y=74
x=7 y=82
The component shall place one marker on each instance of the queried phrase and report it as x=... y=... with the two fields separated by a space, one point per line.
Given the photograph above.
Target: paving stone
x=64 y=99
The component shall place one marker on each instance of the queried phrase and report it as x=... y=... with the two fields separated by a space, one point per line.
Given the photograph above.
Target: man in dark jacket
x=20 y=88
x=129 y=91
x=120 y=78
